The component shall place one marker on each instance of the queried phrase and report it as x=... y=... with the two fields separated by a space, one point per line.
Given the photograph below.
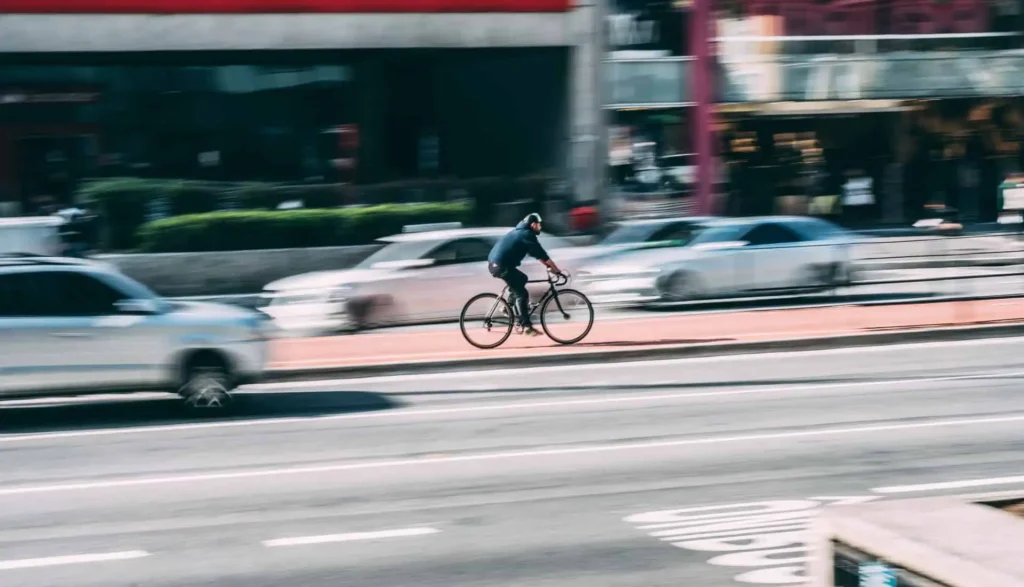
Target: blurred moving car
x=641 y=234
x=727 y=257
x=415 y=277
x=73 y=327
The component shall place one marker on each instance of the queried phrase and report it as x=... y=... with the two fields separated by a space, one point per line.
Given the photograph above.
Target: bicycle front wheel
x=486 y=321
x=568 y=317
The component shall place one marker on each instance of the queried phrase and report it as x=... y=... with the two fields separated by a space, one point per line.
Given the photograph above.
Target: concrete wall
x=959 y=542
x=32 y=33
x=231 y=272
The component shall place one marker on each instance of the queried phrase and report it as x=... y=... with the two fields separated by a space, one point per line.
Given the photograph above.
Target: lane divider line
x=350 y=537
x=965 y=484
x=74 y=559
x=490 y=456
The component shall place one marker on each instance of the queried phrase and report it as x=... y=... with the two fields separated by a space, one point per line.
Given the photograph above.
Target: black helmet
x=533 y=218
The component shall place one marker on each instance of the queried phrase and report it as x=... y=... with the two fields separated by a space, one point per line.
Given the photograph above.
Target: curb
x=643 y=354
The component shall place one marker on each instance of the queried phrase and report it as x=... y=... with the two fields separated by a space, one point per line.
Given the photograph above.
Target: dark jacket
x=511 y=249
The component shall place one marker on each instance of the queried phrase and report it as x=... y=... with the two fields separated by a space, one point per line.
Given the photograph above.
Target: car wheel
x=207 y=384
x=680 y=287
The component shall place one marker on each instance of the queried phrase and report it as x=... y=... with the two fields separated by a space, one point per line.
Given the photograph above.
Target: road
x=568 y=476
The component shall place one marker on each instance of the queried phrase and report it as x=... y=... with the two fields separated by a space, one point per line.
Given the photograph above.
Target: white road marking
x=523 y=405
x=75 y=559
x=601 y=364
x=552 y=452
x=767 y=540
x=350 y=537
x=965 y=484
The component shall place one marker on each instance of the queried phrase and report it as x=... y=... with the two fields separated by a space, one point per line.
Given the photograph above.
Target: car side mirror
x=138 y=307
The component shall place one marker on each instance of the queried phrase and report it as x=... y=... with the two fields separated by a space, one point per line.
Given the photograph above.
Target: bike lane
x=654 y=332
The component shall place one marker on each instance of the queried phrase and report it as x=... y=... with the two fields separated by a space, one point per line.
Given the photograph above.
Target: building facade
x=791 y=100
x=297 y=91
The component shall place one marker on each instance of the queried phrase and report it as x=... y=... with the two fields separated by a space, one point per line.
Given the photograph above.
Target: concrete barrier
x=231 y=272
x=929 y=542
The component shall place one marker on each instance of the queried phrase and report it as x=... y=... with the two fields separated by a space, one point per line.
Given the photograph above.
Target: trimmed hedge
x=126 y=203
x=260 y=229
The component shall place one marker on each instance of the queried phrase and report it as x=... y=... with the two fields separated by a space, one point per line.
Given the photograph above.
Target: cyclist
x=504 y=260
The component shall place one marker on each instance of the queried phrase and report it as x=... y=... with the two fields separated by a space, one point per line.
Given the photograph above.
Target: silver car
x=415 y=277
x=725 y=258
x=73 y=327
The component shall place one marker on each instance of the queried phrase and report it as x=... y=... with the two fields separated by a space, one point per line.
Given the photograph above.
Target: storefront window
x=649 y=152
x=218 y=121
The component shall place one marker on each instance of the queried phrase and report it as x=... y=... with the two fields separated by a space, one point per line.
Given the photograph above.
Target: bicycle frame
x=551 y=292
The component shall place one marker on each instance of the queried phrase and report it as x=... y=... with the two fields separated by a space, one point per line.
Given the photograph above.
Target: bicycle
x=496 y=315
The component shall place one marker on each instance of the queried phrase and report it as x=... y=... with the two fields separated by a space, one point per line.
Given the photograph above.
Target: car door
x=30 y=360
x=459 y=272
x=100 y=347
x=43 y=343
x=772 y=258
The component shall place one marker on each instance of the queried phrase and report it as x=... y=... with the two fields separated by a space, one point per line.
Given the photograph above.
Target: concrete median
x=966 y=541
x=676 y=336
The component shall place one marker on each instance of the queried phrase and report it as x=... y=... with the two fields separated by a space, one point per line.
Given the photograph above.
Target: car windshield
x=631 y=233
x=823 y=230
x=400 y=251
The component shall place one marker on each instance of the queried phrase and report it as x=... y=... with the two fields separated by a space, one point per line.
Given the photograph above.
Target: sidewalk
x=656 y=332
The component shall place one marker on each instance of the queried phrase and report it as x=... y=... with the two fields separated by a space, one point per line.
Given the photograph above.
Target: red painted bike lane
x=656 y=331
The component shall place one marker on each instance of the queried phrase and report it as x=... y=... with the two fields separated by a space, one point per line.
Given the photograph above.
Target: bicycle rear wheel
x=486 y=321
x=567 y=318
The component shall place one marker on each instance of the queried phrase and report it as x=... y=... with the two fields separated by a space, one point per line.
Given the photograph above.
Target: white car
x=76 y=327
x=643 y=234
x=414 y=278
x=726 y=258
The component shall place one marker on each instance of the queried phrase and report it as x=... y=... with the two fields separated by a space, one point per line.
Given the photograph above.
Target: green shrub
x=127 y=203
x=261 y=229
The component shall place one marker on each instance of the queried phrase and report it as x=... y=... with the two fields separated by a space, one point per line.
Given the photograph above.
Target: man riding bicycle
x=504 y=260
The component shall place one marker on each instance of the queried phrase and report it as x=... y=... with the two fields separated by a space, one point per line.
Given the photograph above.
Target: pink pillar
x=701 y=90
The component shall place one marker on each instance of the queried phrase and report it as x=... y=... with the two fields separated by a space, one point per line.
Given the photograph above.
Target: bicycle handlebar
x=559 y=279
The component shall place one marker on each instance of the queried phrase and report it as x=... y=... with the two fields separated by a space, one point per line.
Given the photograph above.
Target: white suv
x=72 y=327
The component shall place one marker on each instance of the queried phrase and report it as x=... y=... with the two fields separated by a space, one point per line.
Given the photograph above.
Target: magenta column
x=701 y=90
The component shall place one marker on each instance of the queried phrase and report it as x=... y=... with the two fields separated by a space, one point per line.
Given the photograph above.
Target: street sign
x=877 y=575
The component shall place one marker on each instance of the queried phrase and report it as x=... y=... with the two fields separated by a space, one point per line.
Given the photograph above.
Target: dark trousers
x=516 y=281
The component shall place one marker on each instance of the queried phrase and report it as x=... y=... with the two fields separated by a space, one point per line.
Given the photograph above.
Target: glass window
x=15 y=295
x=472 y=251
x=401 y=251
x=682 y=232
x=630 y=233
x=771 y=234
x=75 y=294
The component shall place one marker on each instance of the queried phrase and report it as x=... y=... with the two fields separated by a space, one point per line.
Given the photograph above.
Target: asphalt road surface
x=653 y=473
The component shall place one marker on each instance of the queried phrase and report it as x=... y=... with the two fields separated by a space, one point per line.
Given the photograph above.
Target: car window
x=771 y=234
x=15 y=295
x=681 y=233
x=472 y=250
x=400 y=251
x=466 y=250
x=630 y=234
x=817 y=229
x=68 y=293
